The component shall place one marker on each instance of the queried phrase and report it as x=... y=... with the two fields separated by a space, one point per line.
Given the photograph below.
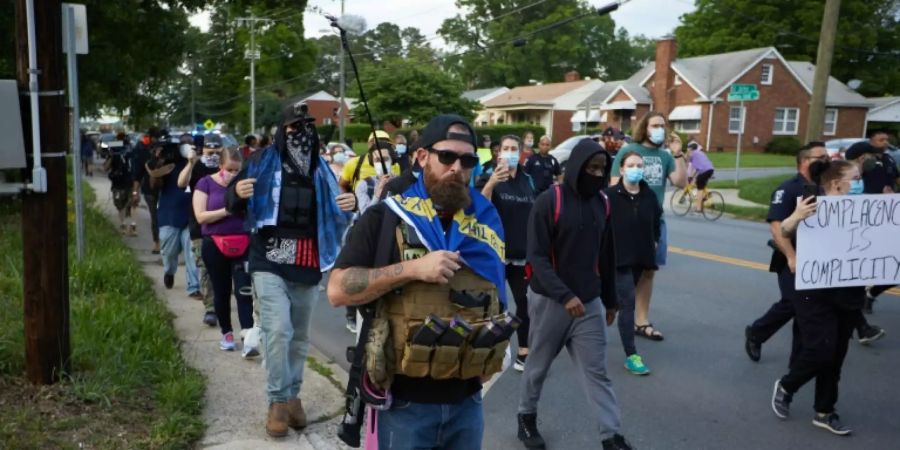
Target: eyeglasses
x=448 y=157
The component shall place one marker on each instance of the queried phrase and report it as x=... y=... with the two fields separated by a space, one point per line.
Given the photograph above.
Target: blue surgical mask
x=856 y=187
x=634 y=175
x=339 y=158
x=511 y=158
x=658 y=135
x=400 y=149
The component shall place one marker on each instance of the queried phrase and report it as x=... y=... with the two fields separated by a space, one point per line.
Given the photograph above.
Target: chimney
x=664 y=78
x=572 y=75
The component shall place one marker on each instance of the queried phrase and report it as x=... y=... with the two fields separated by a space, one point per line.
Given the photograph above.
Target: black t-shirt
x=513 y=200
x=542 y=169
x=120 y=170
x=359 y=251
x=781 y=206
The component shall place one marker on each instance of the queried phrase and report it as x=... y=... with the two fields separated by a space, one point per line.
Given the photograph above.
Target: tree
x=485 y=33
x=135 y=47
x=409 y=89
x=867 y=45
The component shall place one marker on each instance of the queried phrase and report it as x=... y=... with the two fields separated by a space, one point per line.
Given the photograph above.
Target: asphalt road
x=703 y=393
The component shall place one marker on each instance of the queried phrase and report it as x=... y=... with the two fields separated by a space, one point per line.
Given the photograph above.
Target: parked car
x=564 y=149
x=837 y=147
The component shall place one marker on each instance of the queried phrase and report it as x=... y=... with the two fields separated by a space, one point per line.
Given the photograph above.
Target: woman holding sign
x=825 y=317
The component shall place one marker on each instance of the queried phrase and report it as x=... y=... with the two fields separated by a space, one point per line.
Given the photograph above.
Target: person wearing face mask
x=825 y=318
x=296 y=215
x=360 y=168
x=198 y=167
x=171 y=158
x=572 y=292
x=660 y=167
x=636 y=220
x=527 y=147
x=224 y=250
x=402 y=152
x=512 y=192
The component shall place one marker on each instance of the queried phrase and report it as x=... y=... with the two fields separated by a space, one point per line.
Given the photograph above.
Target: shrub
x=783 y=145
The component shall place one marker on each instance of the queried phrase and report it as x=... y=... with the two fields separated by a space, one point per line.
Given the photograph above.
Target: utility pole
x=343 y=108
x=193 y=77
x=253 y=55
x=44 y=214
x=816 y=120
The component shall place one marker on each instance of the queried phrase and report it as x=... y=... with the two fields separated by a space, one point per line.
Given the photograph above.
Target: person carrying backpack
x=118 y=169
x=572 y=292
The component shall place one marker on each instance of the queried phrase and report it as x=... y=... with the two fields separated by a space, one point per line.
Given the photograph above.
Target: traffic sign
x=209 y=124
x=743 y=93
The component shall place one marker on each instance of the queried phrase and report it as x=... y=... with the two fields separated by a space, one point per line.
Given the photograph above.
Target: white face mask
x=187 y=151
x=379 y=168
x=529 y=142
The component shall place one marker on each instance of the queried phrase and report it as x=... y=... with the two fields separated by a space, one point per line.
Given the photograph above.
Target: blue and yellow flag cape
x=476 y=232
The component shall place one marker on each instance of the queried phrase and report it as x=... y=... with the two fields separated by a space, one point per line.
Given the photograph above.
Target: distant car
x=564 y=149
x=837 y=147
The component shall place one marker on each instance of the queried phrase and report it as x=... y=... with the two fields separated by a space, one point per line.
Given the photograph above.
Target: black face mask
x=589 y=185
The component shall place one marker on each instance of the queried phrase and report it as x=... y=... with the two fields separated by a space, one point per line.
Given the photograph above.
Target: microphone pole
x=362 y=95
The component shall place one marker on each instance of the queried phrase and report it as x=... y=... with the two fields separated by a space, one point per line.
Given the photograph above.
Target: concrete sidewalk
x=235 y=403
x=730 y=196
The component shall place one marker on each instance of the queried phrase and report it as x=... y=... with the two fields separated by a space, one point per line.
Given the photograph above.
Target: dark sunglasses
x=448 y=157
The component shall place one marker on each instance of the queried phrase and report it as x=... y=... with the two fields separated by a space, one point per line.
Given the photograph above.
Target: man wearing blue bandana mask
x=660 y=167
x=296 y=215
x=426 y=266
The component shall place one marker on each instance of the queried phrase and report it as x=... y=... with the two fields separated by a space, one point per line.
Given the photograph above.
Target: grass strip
x=129 y=386
x=727 y=160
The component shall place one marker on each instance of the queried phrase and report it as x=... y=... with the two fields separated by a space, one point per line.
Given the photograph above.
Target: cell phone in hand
x=810 y=190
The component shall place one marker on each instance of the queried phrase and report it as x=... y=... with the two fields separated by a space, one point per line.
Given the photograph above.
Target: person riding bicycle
x=700 y=170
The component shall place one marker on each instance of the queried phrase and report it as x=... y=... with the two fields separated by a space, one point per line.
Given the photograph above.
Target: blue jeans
x=285 y=311
x=453 y=426
x=173 y=241
x=662 y=250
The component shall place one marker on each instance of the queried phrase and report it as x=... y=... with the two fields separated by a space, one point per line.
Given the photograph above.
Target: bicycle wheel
x=681 y=202
x=713 y=206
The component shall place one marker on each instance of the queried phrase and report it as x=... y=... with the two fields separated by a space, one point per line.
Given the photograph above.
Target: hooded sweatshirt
x=575 y=255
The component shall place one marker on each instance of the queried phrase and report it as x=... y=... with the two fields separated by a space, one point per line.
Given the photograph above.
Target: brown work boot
x=277 y=423
x=296 y=415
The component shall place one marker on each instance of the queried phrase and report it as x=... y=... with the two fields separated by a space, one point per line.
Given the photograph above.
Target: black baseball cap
x=294 y=112
x=438 y=129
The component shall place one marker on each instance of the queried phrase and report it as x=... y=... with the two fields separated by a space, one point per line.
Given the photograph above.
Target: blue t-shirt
x=174 y=202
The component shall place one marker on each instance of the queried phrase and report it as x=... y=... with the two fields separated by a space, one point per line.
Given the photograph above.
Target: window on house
x=327 y=121
x=766 y=74
x=687 y=126
x=786 y=121
x=677 y=80
x=735 y=120
x=831 y=115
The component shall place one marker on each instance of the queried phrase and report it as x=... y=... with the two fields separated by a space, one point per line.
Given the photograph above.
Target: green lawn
x=757 y=190
x=748 y=160
x=747 y=212
x=129 y=386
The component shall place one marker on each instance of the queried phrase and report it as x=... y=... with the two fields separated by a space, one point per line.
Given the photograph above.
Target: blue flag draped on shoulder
x=476 y=232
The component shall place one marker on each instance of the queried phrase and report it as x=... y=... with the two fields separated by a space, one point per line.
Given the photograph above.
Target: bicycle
x=683 y=200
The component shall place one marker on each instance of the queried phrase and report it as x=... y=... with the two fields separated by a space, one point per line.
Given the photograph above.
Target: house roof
x=543 y=95
x=710 y=74
x=483 y=95
x=632 y=88
x=839 y=94
x=321 y=95
x=884 y=109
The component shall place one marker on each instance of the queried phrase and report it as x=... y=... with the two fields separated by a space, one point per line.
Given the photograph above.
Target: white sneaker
x=250 y=340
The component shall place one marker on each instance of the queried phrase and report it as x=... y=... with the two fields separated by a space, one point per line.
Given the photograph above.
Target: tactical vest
x=401 y=312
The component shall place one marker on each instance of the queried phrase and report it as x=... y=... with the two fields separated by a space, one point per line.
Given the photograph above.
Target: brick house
x=692 y=93
x=550 y=105
x=325 y=108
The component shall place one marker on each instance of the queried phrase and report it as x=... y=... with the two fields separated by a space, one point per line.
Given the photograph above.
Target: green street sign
x=743 y=93
x=744 y=97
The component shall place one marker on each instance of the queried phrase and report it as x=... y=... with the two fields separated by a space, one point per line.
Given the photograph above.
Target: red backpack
x=557 y=210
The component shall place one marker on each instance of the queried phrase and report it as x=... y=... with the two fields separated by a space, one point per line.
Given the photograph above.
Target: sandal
x=647 y=331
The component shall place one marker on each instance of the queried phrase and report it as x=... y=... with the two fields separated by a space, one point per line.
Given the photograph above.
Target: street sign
x=81 y=30
x=743 y=93
x=209 y=124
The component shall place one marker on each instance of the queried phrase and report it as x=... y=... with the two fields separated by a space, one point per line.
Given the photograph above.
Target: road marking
x=737 y=262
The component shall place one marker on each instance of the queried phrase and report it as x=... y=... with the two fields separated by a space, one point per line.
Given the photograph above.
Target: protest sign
x=851 y=240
